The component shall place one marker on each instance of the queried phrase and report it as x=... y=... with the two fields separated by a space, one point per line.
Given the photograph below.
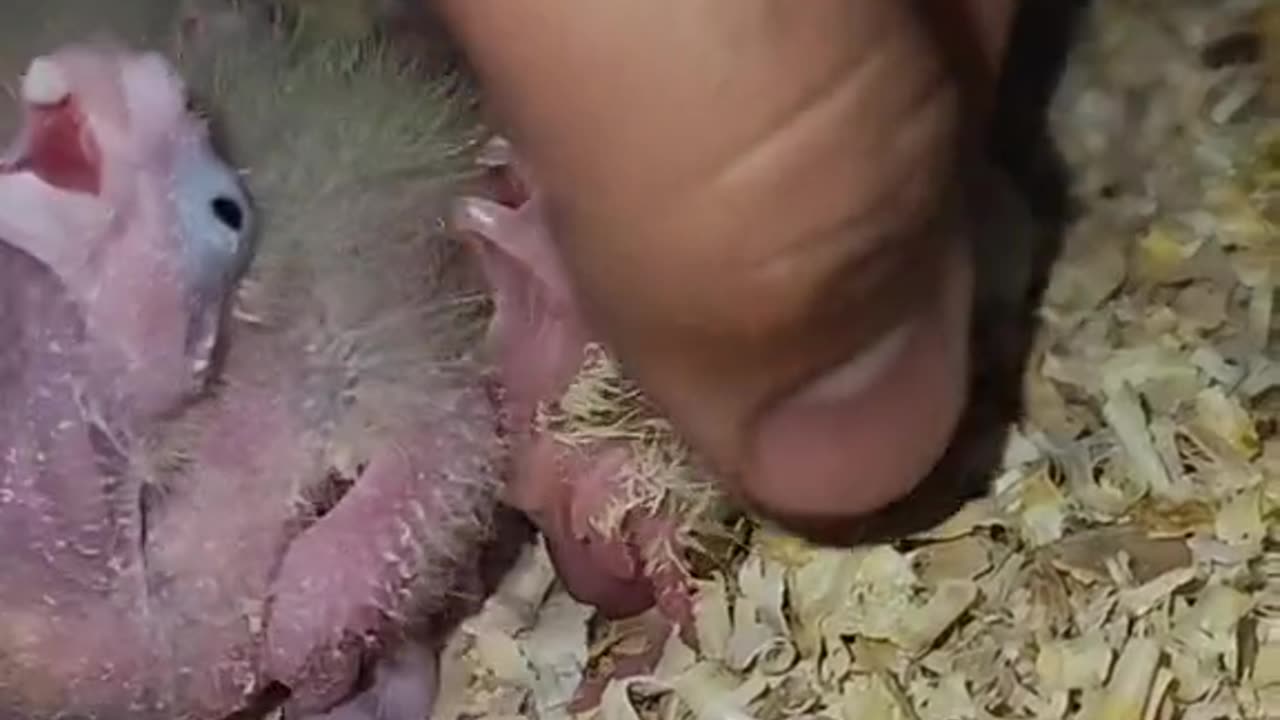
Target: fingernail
x=843 y=445
x=865 y=369
x=867 y=432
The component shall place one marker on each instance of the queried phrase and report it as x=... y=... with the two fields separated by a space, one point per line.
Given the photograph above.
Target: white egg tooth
x=45 y=83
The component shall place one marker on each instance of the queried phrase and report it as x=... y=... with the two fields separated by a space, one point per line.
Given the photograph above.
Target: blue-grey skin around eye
x=216 y=228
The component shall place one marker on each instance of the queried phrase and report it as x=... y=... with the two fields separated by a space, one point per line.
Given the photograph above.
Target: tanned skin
x=752 y=198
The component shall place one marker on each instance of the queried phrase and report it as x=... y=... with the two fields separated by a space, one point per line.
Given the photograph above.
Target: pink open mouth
x=58 y=146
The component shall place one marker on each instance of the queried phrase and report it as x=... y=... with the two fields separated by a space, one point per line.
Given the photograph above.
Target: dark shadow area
x=264 y=703
x=1018 y=241
x=1020 y=144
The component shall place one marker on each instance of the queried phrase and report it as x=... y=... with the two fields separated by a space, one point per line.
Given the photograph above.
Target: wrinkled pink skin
x=128 y=592
x=539 y=337
x=183 y=594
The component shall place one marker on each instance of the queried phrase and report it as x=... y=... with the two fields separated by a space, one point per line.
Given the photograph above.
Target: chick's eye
x=228 y=212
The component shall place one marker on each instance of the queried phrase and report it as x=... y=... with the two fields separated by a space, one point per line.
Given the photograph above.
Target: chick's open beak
x=56 y=142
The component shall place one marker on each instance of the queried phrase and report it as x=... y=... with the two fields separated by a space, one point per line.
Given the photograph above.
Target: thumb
x=756 y=206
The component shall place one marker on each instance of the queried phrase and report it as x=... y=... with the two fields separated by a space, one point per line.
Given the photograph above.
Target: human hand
x=764 y=207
